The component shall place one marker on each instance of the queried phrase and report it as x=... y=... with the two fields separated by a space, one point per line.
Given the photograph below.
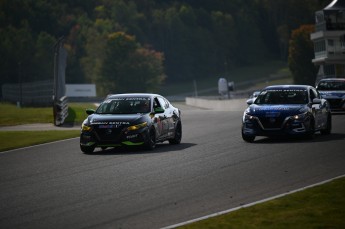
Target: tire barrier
x=60 y=109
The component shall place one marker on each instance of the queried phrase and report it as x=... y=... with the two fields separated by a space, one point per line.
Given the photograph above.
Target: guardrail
x=60 y=110
x=37 y=93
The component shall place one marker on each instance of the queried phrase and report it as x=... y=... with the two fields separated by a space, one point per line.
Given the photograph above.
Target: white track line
x=40 y=144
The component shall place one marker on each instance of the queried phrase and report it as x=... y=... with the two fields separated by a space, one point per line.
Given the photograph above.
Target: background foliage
x=301 y=51
x=162 y=40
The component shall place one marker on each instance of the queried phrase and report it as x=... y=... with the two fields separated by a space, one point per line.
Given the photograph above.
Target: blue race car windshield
x=283 y=96
x=133 y=105
x=331 y=85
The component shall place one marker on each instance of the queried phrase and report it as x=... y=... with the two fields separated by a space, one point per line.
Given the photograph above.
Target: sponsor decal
x=128 y=99
x=269 y=108
x=110 y=123
x=137 y=99
x=132 y=136
x=327 y=94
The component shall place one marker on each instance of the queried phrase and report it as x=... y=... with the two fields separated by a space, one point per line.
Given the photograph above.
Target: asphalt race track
x=57 y=186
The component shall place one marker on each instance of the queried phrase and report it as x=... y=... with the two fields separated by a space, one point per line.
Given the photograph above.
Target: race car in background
x=333 y=89
x=286 y=110
x=131 y=120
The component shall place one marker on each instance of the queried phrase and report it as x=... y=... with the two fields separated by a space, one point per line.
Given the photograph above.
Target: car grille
x=271 y=122
x=108 y=134
x=335 y=103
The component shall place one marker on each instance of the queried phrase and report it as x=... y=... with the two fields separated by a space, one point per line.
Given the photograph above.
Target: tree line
x=132 y=45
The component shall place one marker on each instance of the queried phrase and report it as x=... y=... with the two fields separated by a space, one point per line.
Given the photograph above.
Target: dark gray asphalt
x=56 y=186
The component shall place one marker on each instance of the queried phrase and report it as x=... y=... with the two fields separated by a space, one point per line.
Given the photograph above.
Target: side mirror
x=159 y=110
x=90 y=111
x=250 y=101
x=316 y=101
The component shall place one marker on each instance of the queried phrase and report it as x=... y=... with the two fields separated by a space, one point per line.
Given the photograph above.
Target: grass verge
x=318 y=207
x=17 y=139
x=12 y=115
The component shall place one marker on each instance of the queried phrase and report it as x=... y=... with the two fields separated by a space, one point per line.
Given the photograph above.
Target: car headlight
x=137 y=127
x=85 y=128
x=299 y=116
x=248 y=117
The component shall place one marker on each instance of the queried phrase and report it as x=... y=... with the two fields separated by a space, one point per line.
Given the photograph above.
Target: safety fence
x=29 y=94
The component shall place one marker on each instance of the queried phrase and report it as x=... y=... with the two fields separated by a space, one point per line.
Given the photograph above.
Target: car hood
x=332 y=94
x=118 y=119
x=276 y=110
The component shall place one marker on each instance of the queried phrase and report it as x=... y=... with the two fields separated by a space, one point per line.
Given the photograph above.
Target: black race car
x=286 y=110
x=131 y=120
x=333 y=89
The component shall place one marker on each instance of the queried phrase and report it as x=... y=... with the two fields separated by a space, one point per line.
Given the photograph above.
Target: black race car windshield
x=132 y=105
x=331 y=85
x=283 y=96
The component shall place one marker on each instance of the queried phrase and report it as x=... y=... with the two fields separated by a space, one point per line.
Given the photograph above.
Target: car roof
x=277 y=87
x=332 y=79
x=132 y=95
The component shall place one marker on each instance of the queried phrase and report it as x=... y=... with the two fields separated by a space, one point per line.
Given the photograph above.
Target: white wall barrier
x=80 y=90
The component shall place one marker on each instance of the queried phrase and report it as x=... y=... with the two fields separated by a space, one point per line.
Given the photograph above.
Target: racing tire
x=311 y=132
x=247 y=138
x=178 y=135
x=87 y=149
x=150 y=144
x=329 y=126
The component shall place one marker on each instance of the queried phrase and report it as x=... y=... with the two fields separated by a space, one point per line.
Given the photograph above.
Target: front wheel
x=87 y=149
x=247 y=138
x=311 y=132
x=150 y=144
x=178 y=135
x=328 y=128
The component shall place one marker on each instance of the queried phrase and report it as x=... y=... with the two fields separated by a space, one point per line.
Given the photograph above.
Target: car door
x=324 y=107
x=317 y=109
x=170 y=116
x=161 y=119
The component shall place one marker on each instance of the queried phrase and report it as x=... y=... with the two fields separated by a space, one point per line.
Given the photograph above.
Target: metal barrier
x=60 y=107
x=60 y=110
x=29 y=94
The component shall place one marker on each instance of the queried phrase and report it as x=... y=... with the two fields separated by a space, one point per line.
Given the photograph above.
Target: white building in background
x=329 y=40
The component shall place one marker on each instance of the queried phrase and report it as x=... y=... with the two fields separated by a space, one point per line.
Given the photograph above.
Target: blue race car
x=286 y=110
x=333 y=90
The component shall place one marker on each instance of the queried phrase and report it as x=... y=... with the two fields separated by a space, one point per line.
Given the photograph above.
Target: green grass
x=317 y=207
x=76 y=112
x=9 y=139
x=12 y=115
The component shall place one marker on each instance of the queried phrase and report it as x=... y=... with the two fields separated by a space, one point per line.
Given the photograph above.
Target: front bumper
x=336 y=104
x=112 y=138
x=288 y=126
